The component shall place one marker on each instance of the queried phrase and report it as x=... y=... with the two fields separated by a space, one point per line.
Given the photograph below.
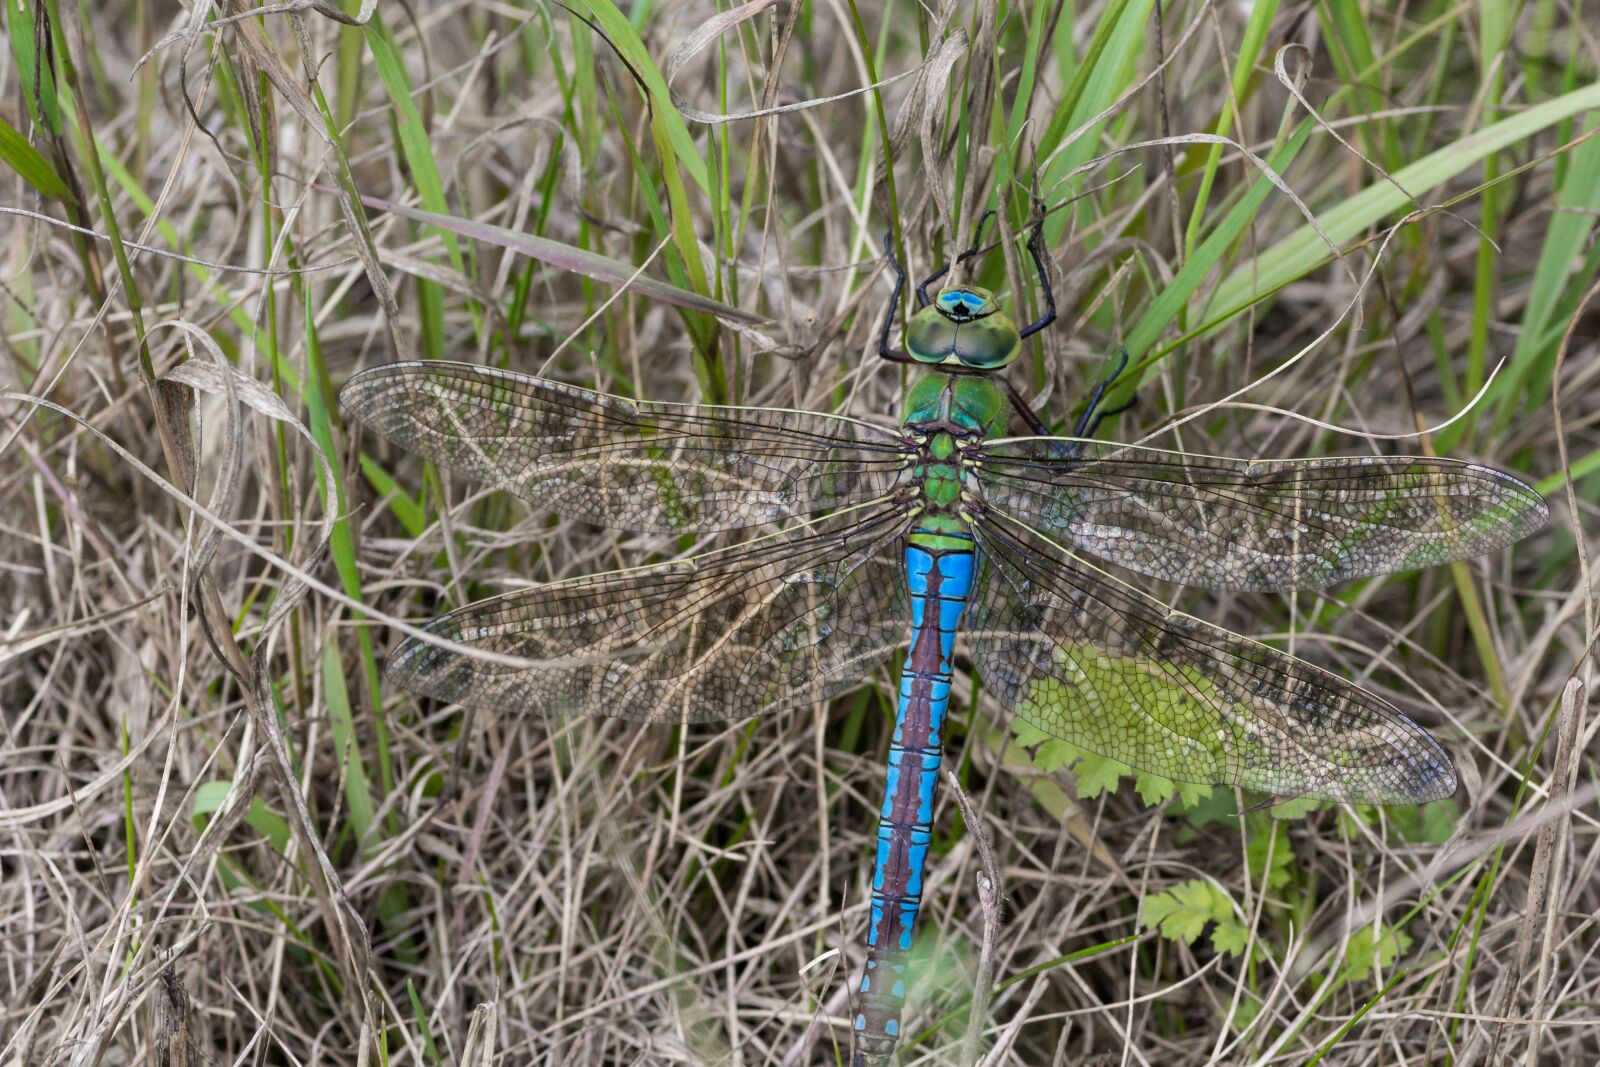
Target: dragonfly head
x=964 y=303
x=963 y=326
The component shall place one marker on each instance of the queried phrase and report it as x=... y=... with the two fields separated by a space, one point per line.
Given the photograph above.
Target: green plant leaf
x=1154 y=789
x=1026 y=733
x=1097 y=774
x=1229 y=937
x=22 y=157
x=1571 y=224
x=1165 y=307
x=1182 y=913
x=1295 y=808
x=1120 y=37
x=622 y=36
x=1429 y=824
x=1211 y=806
x=1302 y=251
x=357 y=787
x=208 y=797
x=411 y=514
x=1053 y=755
x=22 y=29
x=1268 y=843
x=1366 y=951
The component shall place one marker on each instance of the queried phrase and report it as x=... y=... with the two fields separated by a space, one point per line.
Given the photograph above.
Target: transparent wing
x=1263 y=524
x=1091 y=660
x=633 y=465
x=785 y=620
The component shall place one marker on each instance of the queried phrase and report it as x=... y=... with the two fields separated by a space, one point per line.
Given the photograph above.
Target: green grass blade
x=357 y=786
x=1107 y=69
x=1302 y=251
x=31 y=167
x=1572 y=223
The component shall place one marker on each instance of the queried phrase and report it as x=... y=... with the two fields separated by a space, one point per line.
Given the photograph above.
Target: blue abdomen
x=939 y=579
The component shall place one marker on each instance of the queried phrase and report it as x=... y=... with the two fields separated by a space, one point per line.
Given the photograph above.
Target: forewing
x=633 y=465
x=1091 y=660
x=791 y=618
x=1263 y=524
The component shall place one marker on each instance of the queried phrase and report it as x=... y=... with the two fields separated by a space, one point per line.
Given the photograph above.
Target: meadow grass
x=1315 y=229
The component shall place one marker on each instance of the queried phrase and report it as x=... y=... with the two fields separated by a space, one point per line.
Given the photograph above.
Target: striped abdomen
x=939 y=575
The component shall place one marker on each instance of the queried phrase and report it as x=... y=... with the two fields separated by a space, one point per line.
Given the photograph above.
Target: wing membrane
x=634 y=465
x=1091 y=660
x=788 y=619
x=1263 y=524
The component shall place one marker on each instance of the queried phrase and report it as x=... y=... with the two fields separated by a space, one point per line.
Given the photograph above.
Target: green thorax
x=969 y=405
x=949 y=409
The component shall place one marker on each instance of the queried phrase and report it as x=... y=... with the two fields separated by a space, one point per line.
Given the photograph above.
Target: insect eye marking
x=963 y=304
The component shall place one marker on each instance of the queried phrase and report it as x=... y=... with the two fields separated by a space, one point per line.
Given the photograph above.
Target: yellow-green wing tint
x=1093 y=661
x=633 y=465
x=787 y=619
x=1262 y=524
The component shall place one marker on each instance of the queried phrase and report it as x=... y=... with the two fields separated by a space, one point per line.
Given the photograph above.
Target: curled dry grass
x=222 y=840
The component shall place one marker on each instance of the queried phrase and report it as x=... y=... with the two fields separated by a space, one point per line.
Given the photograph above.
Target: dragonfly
x=876 y=539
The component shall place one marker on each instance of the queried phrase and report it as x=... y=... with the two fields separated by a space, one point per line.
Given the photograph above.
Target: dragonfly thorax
x=943 y=483
x=964 y=406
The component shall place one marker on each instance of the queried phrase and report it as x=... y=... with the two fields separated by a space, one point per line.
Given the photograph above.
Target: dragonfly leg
x=922 y=286
x=1036 y=248
x=894 y=303
x=977 y=242
x=1029 y=416
x=1107 y=412
x=1089 y=421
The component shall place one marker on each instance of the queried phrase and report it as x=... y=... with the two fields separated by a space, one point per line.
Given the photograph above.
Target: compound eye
x=988 y=343
x=931 y=336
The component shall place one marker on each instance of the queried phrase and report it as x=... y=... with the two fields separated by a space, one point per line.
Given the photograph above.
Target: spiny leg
x=884 y=350
x=1020 y=405
x=1036 y=248
x=1089 y=421
x=977 y=241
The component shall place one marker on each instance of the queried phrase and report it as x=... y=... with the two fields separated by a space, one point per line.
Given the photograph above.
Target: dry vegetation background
x=223 y=840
